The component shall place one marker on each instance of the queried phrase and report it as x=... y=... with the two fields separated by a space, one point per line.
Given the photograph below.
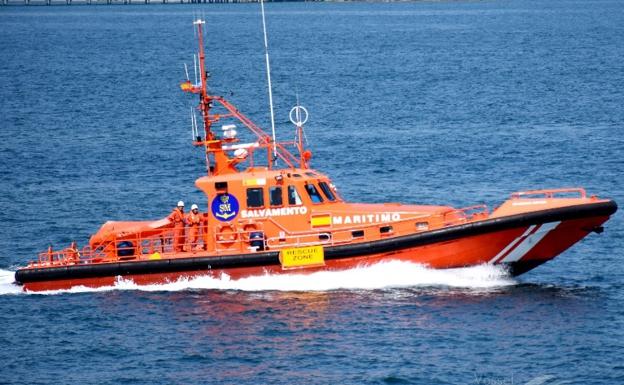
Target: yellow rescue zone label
x=302 y=257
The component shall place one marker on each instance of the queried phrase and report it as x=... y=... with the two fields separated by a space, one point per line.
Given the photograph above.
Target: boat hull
x=520 y=242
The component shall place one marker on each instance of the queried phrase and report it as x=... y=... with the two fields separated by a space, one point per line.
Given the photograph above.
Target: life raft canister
x=125 y=249
x=253 y=235
x=256 y=239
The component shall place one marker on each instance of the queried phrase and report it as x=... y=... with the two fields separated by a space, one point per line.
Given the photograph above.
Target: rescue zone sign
x=298 y=257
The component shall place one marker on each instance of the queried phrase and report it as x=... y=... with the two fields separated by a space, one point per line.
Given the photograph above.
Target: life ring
x=72 y=254
x=248 y=228
x=226 y=234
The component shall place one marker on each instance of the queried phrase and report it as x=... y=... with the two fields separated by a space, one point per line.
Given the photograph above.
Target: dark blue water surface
x=440 y=103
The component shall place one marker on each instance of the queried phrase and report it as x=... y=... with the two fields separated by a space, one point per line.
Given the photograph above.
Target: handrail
x=320 y=238
x=470 y=212
x=549 y=193
x=263 y=138
x=116 y=249
x=235 y=238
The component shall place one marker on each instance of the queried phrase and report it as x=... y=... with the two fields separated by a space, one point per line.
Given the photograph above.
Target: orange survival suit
x=193 y=220
x=177 y=218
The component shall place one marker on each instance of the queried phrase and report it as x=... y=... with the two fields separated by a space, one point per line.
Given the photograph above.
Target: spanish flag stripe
x=254 y=182
x=321 y=220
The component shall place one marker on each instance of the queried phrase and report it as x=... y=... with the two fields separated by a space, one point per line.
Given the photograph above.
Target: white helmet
x=194 y=207
x=180 y=204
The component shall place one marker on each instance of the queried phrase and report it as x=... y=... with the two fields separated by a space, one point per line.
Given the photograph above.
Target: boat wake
x=6 y=283
x=384 y=275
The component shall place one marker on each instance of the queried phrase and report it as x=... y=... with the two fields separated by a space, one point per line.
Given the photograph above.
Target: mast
x=268 y=70
x=204 y=99
x=220 y=150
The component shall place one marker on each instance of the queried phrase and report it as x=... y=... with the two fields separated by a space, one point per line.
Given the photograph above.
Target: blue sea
x=447 y=102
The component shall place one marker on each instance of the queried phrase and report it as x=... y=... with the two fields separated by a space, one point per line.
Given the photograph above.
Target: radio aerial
x=298 y=115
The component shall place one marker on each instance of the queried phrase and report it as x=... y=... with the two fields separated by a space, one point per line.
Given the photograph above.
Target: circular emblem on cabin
x=224 y=207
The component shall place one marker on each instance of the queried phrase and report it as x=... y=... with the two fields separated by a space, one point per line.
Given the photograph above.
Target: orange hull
x=519 y=248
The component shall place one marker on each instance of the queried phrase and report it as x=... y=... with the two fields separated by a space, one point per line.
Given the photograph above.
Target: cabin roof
x=259 y=173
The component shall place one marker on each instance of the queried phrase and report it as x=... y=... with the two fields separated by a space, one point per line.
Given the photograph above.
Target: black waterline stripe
x=271 y=258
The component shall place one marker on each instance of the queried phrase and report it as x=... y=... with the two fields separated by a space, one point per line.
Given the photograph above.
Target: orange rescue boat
x=262 y=219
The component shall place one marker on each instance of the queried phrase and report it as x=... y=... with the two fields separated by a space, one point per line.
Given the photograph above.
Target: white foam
x=393 y=274
x=7 y=277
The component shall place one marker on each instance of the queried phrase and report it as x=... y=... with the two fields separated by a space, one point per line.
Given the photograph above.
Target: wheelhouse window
x=275 y=196
x=255 y=197
x=313 y=193
x=293 y=196
x=329 y=194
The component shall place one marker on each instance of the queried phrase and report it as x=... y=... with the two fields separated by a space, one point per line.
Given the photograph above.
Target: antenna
x=268 y=69
x=192 y=125
x=195 y=68
x=298 y=115
x=298 y=120
x=186 y=71
x=194 y=130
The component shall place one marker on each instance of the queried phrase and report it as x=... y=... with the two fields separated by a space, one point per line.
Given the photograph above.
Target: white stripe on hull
x=527 y=242
x=512 y=244
x=530 y=242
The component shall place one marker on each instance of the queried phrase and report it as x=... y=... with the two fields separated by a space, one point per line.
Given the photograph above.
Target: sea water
x=453 y=103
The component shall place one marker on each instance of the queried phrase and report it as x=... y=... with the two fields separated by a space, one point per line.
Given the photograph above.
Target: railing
x=119 y=249
x=404 y=226
x=298 y=240
x=263 y=138
x=326 y=236
x=466 y=214
x=550 y=193
x=251 y=236
x=55 y=258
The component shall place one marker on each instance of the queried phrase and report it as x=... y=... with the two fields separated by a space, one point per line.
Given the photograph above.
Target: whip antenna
x=195 y=68
x=268 y=70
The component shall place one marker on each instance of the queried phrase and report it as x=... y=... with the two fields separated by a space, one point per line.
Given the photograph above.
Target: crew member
x=72 y=254
x=177 y=218
x=193 y=220
x=50 y=254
